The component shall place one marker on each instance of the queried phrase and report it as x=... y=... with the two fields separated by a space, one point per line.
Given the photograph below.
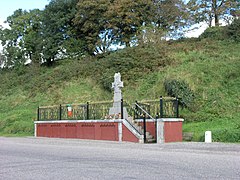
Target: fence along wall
x=164 y=108
x=55 y=121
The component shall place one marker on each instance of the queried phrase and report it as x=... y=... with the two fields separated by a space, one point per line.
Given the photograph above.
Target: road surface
x=43 y=158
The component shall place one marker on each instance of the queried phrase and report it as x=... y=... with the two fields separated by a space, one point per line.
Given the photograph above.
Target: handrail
x=77 y=104
x=133 y=127
x=156 y=100
x=144 y=111
x=144 y=123
x=100 y=102
x=44 y=107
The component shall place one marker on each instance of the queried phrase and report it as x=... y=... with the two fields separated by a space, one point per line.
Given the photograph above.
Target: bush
x=19 y=127
x=233 y=31
x=216 y=33
x=180 y=89
x=226 y=135
x=133 y=63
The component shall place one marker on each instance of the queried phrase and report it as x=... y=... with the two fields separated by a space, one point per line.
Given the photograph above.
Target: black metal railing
x=145 y=115
x=163 y=108
x=95 y=110
x=99 y=110
x=49 y=113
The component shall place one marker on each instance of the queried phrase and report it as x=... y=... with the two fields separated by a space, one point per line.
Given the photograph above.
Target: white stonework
x=35 y=129
x=117 y=85
x=120 y=131
x=160 y=132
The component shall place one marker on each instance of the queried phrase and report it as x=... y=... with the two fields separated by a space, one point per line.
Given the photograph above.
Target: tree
x=59 y=34
x=22 y=41
x=126 y=17
x=90 y=22
x=101 y=23
x=209 y=10
x=171 y=14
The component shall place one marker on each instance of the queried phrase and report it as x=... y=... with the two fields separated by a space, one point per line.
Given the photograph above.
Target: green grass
x=210 y=68
x=18 y=111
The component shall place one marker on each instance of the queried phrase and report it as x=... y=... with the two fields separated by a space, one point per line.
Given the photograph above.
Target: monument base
x=115 y=111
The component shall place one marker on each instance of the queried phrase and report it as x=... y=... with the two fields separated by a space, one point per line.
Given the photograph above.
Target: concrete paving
x=43 y=158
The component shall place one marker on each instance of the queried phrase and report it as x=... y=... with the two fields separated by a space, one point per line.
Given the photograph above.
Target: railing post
x=38 y=114
x=177 y=107
x=144 y=128
x=161 y=107
x=122 y=109
x=60 y=112
x=87 y=111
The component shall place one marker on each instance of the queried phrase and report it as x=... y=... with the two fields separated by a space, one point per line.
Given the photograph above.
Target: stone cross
x=117 y=85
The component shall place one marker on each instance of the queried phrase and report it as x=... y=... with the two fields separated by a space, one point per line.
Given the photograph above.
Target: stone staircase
x=149 y=137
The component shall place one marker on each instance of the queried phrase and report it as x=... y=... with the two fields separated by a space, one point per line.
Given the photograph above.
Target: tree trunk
x=127 y=44
x=216 y=20
x=215 y=12
x=210 y=19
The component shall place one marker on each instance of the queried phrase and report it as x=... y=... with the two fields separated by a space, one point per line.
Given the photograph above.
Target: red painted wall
x=108 y=131
x=85 y=130
x=95 y=131
x=173 y=131
x=128 y=135
x=105 y=131
x=56 y=130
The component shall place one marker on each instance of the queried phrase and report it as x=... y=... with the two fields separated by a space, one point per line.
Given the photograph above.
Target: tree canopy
x=212 y=10
x=22 y=40
x=88 y=27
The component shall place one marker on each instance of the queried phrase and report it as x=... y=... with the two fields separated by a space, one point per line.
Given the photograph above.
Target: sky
x=7 y=7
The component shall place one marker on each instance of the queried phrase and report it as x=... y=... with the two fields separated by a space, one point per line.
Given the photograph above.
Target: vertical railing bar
x=87 y=111
x=161 y=107
x=122 y=109
x=60 y=112
x=38 y=114
x=144 y=128
x=177 y=107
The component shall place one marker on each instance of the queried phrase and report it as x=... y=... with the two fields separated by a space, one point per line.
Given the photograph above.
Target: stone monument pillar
x=117 y=85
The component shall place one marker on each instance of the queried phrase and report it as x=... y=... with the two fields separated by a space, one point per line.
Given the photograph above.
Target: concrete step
x=136 y=125
x=149 y=136
x=151 y=140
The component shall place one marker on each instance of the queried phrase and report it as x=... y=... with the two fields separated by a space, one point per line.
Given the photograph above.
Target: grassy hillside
x=209 y=67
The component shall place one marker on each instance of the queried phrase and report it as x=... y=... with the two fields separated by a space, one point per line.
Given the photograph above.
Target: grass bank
x=209 y=67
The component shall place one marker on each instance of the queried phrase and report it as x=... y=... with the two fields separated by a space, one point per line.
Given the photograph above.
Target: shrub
x=233 y=31
x=180 y=89
x=226 y=135
x=133 y=63
x=19 y=127
x=216 y=33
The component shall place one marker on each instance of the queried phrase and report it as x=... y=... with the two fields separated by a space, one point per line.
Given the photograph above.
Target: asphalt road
x=43 y=158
